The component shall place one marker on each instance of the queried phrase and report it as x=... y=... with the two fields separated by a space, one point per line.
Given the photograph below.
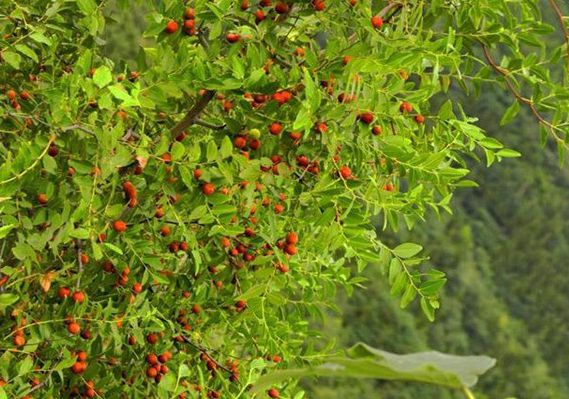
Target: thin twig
x=209 y=125
x=524 y=100
x=33 y=165
x=561 y=19
x=78 y=127
x=78 y=247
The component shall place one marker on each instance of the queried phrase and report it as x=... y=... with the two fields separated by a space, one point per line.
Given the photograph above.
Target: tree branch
x=524 y=100
x=193 y=113
x=561 y=19
x=209 y=125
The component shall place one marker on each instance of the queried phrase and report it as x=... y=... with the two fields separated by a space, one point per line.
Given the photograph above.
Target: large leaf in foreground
x=363 y=361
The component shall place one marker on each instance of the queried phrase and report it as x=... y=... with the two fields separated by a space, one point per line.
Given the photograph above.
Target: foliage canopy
x=205 y=203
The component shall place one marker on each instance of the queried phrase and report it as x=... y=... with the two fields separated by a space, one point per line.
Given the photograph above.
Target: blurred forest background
x=505 y=252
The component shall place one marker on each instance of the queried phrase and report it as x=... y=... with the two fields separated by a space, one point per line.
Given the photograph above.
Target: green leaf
x=103 y=76
x=13 y=59
x=113 y=248
x=510 y=113
x=7 y=300
x=507 y=153
x=87 y=7
x=313 y=95
x=4 y=230
x=363 y=361
x=22 y=48
x=407 y=250
x=80 y=233
x=178 y=151
x=25 y=366
x=40 y=38
x=211 y=153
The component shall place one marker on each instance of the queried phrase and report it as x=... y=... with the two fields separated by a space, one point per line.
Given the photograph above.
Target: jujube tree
x=169 y=230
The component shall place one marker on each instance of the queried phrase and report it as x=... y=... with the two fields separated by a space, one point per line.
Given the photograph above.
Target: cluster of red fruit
x=258 y=100
x=130 y=193
x=189 y=24
x=288 y=245
x=80 y=365
x=304 y=163
x=13 y=98
x=157 y=365
x=407 y=108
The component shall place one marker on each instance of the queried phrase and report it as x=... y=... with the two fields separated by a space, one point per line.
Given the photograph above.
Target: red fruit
x=420 y=119
x=225 y=242
x=119 y=226
x=174 y=247
x=42 y=198
x=25 y=95
x=166 y=157
x=53 y=150
x=273 y=393
x=79 y=367
x=318 y=5
x=295 y=136
x=184 y=246
x=151 y=372
x=159 y=213
x=377 y=22
x=152 y=359
x=11 y=95
x=302 y=161
x=292 y=238
x=129 y=190
x=405 y=107
x=84 y=258
x=366 y=117
x=240 y=304
x=165 y=357
x=244 y=5
x=259 y=16
x=189 y=24
x=152 y=338
x=165 y=231
x=345 y=172
x=290 y=249
x=275 y=128
x=281 y=7
x=74 y=328
x=137 y=288
x=278 y=208
x=196 y=309
x=82 y=356
x=321 y=127
x=376 y=131
x=19 y=341
x=240 y=142
x=171 y=27
x=254 y=144
x=208 y=189
x=389 y=187
x=232 y=37
x=164 y=369
x=63 y=292
x=190 y=13
x=265 y=3
x=78 y=297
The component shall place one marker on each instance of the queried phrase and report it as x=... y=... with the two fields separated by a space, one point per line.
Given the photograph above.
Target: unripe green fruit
x=255 y=133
